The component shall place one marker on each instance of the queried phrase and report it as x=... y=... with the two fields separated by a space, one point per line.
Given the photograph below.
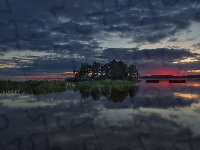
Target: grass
x=103 y=83
x=38 y=87
x=32 y=86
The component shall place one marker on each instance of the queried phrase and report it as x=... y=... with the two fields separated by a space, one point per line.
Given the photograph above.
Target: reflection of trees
x=95 y=93
x=85 y=93
x=115 y=94
x=118 y=96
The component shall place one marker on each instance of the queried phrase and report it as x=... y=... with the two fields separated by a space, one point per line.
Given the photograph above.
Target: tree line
x=114 y=70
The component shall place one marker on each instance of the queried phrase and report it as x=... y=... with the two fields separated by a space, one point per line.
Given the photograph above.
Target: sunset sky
x=47 y=38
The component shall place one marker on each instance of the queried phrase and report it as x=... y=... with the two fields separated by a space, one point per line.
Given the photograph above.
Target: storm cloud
x=78 y=30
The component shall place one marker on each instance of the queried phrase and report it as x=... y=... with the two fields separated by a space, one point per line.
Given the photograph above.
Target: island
x=113 y=73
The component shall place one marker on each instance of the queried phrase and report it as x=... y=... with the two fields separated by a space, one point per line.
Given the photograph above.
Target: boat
x=177 y=81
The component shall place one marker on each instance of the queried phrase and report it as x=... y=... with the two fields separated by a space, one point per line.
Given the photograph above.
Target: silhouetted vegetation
x=110 y=83
x=114 y=70
x=115 y=92
x=32 y=86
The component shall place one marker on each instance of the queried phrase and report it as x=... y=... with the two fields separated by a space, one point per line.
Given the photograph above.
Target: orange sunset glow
x=68 y=73
x=195 y=71
x=186 y=95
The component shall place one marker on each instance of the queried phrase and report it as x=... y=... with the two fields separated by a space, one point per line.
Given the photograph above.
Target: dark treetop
x=114 y=70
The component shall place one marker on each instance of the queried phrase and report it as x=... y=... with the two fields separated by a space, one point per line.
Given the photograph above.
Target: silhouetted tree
x=83 y=72
x=95 y=69
x=111 y=70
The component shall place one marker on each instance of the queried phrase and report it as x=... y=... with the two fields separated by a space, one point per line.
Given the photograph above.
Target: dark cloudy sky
x=40 y=37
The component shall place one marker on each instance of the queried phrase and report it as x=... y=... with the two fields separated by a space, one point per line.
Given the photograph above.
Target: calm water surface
x=149 y=116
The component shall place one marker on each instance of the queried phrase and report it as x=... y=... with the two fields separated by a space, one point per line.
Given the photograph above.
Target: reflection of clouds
x=115 y=125
x=188 y=96
x=148 y=129
x=196 y=71
x=193 y=84
x=197 y=109
x=167 y=96
x=174 y=116
x=147 y=96
x=25 y=100
x=163 y=101
x=23 y=103
x=114 y=131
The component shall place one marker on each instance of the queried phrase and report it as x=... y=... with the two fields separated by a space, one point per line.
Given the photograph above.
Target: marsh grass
x=118 y=85
x=113 y=83
x=32 y=86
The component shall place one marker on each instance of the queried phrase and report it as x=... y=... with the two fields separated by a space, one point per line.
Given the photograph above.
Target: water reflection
x=146 y=116
x=115 y=94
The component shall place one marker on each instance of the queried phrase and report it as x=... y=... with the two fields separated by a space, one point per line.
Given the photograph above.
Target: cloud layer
x=78 y=29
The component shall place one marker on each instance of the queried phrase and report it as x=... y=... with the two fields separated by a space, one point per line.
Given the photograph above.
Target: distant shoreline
x=167 y=77
x=170 y=77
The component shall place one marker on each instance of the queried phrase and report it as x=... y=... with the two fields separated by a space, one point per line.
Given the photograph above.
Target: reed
x=119 y=85
x=32 y=86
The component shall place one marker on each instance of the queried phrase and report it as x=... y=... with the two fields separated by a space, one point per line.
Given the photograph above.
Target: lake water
x=149 y=116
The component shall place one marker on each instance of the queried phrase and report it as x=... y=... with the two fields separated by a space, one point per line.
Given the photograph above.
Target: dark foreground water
x=149 y=116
